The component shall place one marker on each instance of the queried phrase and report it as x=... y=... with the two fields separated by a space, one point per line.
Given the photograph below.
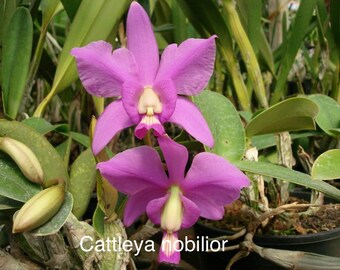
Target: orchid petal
x=191 y=212
x=190 y=65
x=111 y=121
x=188 y=116
x=102 y=71
x=213 y=182
x=207 y=205
x=176 y=158
x=134 y=170
x=130 y=95
x=155 y=207
x=142 y=43
x=167 y=93
x=169 y=243
x=136 y=203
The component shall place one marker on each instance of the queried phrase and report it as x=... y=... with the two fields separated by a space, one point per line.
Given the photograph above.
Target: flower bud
x=24 y=158
x=39 y=209
x=172 y=214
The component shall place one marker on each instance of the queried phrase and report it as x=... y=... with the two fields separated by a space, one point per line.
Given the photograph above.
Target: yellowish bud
x=172 y=214
x=39 y=209
x=24 y=158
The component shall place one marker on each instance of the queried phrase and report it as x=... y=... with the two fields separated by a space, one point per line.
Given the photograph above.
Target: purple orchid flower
x=177 y=200
x=148 y=88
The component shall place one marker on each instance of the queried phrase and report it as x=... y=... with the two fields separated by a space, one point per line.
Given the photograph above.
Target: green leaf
x=335 y=20
x=16 y=55
x=48 y=9
x=225 y=124
x=283 y=173
x=43 y=127
x=268 y=140
x=94 y=21
x=98 y=220
x=326 y=166
x=329 y=113
x=162 y=17
x=71 y=7
x=289 y=115
x=13 y=183
x=7 y=10
x=180 y=24
x=48 y=157
x=251 y=14
x=7 y=203
x=82 y=181
x=80 y=138
x=56 y=222
x=292 y=44
x=208 y=20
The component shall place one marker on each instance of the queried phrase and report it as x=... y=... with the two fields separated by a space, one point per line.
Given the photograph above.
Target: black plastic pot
x=326 y=243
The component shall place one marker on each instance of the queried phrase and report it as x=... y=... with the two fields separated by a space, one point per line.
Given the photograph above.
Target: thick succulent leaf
x=283 y=173
x=327 y=166
x=289 y=115
x=13 y=183
x=48 y=157
x=43 y=127
x=82 y=181
x=98 y=220
x=328 y=118
x=268 y=140
x=224 y=123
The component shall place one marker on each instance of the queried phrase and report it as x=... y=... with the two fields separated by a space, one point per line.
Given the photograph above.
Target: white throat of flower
x=172 y=214
x=149 y=104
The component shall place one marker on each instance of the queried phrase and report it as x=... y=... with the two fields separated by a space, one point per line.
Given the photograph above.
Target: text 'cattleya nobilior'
x=175 y=200
x=147 y=89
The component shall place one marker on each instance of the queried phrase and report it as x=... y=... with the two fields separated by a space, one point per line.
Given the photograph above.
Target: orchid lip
x=170 y=244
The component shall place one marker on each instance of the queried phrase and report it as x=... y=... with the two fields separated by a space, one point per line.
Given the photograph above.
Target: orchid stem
x=147 y=139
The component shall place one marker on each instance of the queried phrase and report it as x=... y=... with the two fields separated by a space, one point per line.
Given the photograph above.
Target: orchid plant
x=201 y=111
x=148 y=96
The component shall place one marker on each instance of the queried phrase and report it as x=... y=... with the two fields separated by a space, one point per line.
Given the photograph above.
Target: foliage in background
x=277 y=72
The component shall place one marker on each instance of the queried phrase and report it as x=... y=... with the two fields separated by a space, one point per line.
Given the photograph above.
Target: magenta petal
x=142 y=128
x=191 y=212
x=188 y=116
x=142 y=43
x=111 y=121
x=136 y=204
x=130 y=96
x=134 y=170
x=169 y=250
x=155 y=207
x=176 y=158
x=208 y=207
x=190 y=65
x=168 y=95
x=211 y=183
x=103 y=72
